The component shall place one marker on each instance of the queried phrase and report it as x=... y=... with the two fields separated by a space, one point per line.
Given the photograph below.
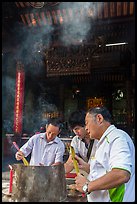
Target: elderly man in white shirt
x=111 y=166
x=46 y=148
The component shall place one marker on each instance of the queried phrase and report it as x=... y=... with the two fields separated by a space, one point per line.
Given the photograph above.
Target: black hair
x=56 y=122
x=101 y=110
x=77 y=118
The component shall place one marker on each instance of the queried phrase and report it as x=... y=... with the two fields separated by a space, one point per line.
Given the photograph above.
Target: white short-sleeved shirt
x=115 y=149
x=43 y=152
x=79 y=147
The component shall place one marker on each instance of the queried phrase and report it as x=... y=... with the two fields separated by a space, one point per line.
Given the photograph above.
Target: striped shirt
x=42 y=151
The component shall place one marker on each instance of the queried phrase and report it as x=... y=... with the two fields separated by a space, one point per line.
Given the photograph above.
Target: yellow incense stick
x=25 y=161
x=72 y=151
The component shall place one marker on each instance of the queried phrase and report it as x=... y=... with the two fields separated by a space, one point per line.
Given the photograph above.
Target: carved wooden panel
x=58 y=15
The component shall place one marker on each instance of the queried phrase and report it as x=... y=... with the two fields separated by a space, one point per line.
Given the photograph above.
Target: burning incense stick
x=23 y=159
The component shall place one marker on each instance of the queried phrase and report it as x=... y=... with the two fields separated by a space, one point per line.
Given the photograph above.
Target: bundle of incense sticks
x=23 y=159
x=74 y=160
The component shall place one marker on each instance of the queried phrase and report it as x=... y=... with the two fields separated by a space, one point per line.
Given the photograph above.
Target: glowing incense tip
x=10 y=167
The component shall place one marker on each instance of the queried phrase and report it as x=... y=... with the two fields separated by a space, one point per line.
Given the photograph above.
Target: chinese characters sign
x=19 y=100
x=94 y=102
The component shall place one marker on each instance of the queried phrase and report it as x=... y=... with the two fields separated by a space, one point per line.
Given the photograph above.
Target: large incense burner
x=39 y=183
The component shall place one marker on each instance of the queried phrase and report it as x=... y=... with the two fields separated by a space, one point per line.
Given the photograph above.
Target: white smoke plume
x=75 y=31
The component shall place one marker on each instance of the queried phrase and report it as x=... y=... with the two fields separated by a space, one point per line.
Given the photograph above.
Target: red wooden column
x=19 y=98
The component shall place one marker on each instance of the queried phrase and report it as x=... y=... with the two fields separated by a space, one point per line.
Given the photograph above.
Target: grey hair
x=101 y=110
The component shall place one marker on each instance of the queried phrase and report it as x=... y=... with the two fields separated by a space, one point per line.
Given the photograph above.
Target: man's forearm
x=111 y=180
x=56 y=163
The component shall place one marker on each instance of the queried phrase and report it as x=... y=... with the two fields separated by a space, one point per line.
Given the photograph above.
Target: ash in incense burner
x=39 y=183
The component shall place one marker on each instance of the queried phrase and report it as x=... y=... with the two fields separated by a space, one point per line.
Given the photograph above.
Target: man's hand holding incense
x=19 y=155
x=82 y=164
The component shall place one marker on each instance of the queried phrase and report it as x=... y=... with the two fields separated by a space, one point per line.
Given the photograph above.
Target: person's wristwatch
x=85 y=188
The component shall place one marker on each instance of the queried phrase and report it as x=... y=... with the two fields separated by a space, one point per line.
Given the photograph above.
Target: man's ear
x=46 y=126
x=100 y=118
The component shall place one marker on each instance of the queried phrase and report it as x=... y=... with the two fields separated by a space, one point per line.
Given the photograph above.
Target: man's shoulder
x=58 y=140
x=39 y=135
x=75 y=138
